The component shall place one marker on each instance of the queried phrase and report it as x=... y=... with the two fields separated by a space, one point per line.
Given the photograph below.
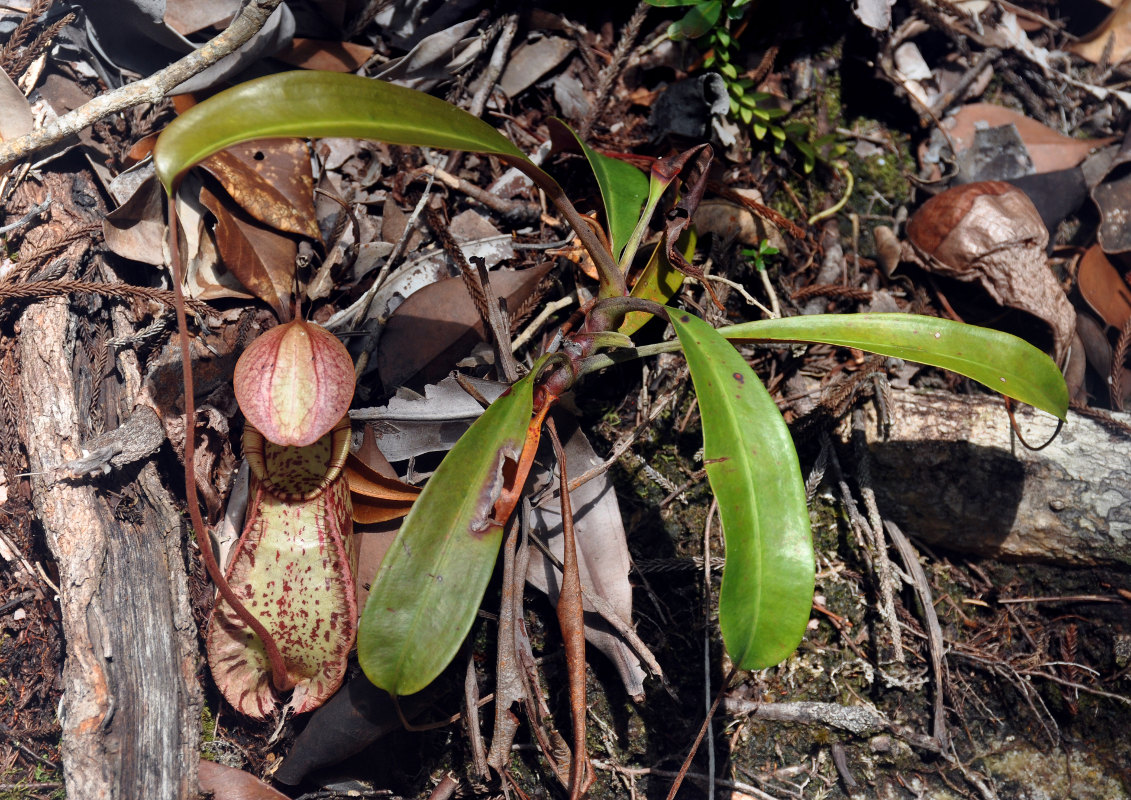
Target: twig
x=711 y=512
x=148 y=90
x=488 y=78
x=934 y=630
x=536 y=324
x=28 y=217
x=702 y=731
x=609 y=614
x=36 y=290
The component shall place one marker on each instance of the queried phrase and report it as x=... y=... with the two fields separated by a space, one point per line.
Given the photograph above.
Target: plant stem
x=204 y=544
x=612 y=279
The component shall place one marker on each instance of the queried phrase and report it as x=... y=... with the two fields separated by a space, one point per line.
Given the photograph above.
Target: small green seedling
x=425 y=596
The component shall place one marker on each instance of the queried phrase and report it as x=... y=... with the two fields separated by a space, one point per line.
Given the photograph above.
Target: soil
x=1036 y=682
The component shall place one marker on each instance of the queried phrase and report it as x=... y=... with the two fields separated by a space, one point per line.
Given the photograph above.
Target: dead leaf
x=228 y=783
x=272 y=180
x=377 y=498
x=531 y=60
x=260 y=258
x=1109 y=175
x=354 y=718
x=734 y=222
x=15 y=112
x=603 y=558
x=136 y=229
x=325 y=55
x=1049 y=150
x=205 y=277
x=990 y=233
x=438 y=325
x=1110 y=41
x=1103 y=288
x=410 y=424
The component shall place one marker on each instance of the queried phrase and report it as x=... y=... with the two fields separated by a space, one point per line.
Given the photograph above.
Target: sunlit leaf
x=317 y=104
x=658 y=282
x=425 y=596
x=998 y=360
x=767 y=586
x=623 y=187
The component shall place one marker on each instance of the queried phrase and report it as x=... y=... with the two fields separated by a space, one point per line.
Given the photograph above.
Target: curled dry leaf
x=990 y=233
x=294 y=569
x=294 y=383
x=1110 y=42
x=376 y=497
x=411 y=425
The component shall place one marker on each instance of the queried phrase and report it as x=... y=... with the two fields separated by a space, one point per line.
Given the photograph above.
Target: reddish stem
x=204 y=544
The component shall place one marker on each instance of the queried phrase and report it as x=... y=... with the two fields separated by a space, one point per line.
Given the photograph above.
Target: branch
x=149 y=90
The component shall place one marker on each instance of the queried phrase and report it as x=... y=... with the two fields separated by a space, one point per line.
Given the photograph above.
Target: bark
x=131 y=702
x=951 y=475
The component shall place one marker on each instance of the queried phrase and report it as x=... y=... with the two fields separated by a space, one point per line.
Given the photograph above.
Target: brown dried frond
x=20 y=35
x=832 y=290
x=39 y=44
x=1118 y=360
x=34 y=255
x=38 y=290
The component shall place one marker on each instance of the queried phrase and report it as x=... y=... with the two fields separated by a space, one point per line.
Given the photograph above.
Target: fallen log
x=131 y=703
x=952 y=475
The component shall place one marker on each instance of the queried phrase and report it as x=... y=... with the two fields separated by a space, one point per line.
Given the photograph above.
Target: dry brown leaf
x=377 y=498
x=228 y=783
x=325 y=55
x=1114 y=33
x=187 y=17
x=1049 y=149
x=271 y=179
x=15 y=113
x=438 y=325
x=1103 y=288
x=136 y=229
x=262 y=259
x=991 y=233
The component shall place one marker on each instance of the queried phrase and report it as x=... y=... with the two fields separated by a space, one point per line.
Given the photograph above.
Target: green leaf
x=623 y=187
x=729 y=70
x=760 y=131
x=315 y=104
x=998 y=360
x=767 y=587
x=700 y=19
x=429 y=587
x=658 y=282
x=746 y=115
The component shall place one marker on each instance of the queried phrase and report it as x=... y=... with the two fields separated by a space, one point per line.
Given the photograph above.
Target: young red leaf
x=294 y=383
